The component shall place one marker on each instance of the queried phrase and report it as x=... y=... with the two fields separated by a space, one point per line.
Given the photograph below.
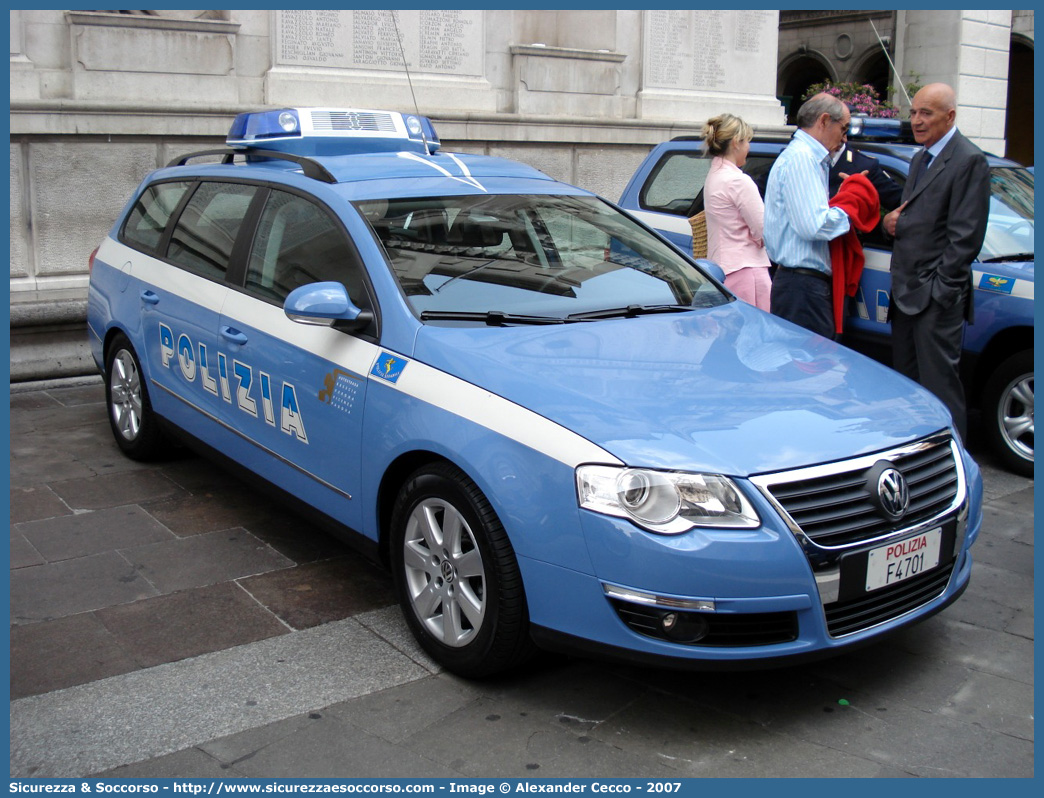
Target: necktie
x=923 y=168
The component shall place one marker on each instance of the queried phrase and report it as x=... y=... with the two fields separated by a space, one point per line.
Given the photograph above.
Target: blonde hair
x=721 y=130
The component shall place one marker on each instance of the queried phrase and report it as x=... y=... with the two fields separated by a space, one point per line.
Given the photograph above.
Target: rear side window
x=206 y=231
x=674 y=183
x=296 y=243
x=150 y=215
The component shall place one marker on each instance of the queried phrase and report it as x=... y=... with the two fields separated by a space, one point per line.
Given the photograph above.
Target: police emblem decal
x=388 y=367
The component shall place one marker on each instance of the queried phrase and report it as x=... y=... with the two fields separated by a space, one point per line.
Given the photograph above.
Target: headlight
x=666 y=502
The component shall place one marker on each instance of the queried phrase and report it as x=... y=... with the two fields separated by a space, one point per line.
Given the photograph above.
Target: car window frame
x=697 y=203
x=694 y=153
x=237 y=280
x=161 y=244
x=235 y=275
x=235 y=257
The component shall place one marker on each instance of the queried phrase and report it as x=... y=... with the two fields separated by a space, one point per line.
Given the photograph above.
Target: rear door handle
x=233 y=335
x=150 y=297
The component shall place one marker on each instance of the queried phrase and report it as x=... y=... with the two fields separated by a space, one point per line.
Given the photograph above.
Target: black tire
x=1007 y=412
x=134 y=424
x=456 y=575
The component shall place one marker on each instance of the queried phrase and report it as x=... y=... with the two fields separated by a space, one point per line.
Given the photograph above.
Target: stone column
x=969 y=51
x=699 y=63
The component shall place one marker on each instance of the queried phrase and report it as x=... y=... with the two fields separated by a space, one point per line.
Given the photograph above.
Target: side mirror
x=325 y=305
x=712 y=268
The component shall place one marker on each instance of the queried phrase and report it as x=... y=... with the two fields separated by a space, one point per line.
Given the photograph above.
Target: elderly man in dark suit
x=938 y=232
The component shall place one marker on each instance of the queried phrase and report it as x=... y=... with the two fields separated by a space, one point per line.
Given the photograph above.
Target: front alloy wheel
x=445 y=580
x=456 y=574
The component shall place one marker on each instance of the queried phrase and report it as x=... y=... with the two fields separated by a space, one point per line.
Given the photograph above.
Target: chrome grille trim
x=811 y=499
x=935 y=470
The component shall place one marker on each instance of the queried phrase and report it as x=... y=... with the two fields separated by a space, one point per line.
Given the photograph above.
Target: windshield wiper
x=492 y=318
x=629 y=312
x=468 y=273
x=1012 y=258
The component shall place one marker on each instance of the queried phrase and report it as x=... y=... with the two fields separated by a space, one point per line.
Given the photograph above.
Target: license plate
x=902 y=559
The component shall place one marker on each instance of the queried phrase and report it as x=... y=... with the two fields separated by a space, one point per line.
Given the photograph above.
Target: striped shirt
x=799 y=223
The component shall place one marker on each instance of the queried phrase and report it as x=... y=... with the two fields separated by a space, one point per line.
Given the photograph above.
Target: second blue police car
x=997 y=362
x=554 y=428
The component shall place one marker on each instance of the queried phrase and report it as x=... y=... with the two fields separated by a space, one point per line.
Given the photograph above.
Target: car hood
x=728 y=390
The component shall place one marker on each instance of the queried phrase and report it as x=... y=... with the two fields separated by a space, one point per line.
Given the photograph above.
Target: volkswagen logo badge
x=893 y=493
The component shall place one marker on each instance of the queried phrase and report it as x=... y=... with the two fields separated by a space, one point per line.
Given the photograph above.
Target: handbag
x=699 y=234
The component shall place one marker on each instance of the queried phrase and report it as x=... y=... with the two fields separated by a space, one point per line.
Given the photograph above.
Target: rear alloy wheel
x=456 y=574
x=134 y=425
x=1007 y=410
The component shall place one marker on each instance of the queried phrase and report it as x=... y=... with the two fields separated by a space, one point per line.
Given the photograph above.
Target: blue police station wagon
x=997 y=362
x=555 y=429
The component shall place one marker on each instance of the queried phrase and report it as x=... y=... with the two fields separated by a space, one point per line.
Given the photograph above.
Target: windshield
x=531 y=258
x=1009 y=231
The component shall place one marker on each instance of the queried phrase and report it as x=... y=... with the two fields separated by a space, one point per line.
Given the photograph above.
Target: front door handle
x=150 y=297
x=233 y=335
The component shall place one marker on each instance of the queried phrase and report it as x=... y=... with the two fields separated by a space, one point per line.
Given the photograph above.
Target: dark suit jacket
x=852 y=162
x=941 y=229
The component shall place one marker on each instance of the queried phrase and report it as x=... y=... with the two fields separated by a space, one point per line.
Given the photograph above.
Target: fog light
x=684 y=627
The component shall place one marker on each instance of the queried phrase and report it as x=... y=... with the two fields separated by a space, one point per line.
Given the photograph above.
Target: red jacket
x=858 y=198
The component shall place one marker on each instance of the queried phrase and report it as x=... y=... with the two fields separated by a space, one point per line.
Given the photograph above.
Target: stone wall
x=844 y=42
x=969 y=51
x=100 y=98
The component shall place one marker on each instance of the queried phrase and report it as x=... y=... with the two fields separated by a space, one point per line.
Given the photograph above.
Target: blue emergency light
x=333 y=131
x=866 y=127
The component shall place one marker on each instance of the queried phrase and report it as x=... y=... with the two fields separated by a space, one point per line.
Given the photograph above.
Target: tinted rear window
x=206 y=231
x=148 y=219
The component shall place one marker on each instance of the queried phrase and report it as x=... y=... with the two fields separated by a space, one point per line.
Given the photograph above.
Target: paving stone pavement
x=169 y=621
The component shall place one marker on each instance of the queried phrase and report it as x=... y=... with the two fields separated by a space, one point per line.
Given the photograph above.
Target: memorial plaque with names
x=727 y=51
x=432 y=41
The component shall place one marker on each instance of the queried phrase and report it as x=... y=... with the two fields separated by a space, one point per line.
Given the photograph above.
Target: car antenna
x=898 y=77
x=402 y=51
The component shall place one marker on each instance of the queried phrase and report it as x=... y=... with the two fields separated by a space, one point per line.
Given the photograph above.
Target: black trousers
x=804 y=299
x=926 y=347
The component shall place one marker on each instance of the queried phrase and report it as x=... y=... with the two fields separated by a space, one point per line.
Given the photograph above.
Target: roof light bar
x=333 y=131
x=866 y=127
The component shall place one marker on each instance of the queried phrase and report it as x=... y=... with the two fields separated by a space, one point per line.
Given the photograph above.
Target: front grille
x=835 y=510
x=353 y=120
x=732 y=629
x=870 y=609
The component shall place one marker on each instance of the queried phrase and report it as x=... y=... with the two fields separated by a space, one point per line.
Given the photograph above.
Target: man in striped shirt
x=799 y=223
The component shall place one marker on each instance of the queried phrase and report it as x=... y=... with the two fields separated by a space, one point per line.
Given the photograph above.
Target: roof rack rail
x=309 y=166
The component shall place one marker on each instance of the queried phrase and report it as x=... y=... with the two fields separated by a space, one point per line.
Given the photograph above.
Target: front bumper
x=715 y=597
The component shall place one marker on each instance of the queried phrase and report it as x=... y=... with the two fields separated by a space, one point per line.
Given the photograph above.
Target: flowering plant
x=862 y=98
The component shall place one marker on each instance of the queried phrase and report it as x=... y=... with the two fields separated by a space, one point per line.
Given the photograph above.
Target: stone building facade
x=987 y=56
x=99 y=98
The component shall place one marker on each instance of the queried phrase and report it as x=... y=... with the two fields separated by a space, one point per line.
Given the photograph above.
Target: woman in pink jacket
x=735 y=211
